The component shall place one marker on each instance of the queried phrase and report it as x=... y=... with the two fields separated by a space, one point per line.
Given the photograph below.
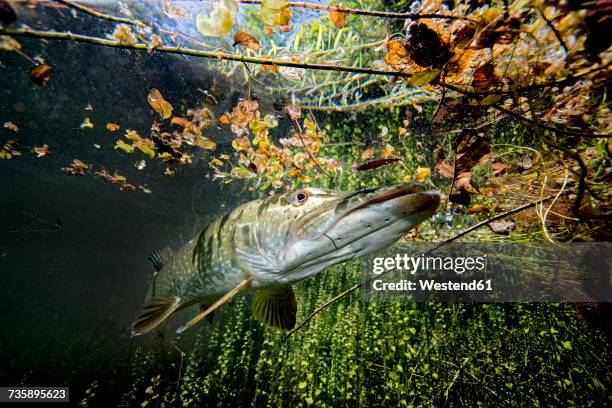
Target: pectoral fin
x=276 y=307
x=154 y=312
x=245 y=283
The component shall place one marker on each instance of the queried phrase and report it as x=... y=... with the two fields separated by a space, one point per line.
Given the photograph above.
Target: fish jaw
x=363 y=223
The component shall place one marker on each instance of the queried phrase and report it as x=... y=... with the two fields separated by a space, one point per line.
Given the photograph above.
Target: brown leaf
x=41 y=74
x=484 y=76
x=11 y=126
x=338 y=17
x=367 y=154
x=112 y=127
x=246 y=40
x=157 y=102
x=374 y=164
x=426 y=48
x=502 y=227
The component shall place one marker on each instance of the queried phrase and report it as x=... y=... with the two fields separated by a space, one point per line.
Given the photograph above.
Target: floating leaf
x=242 y=172
x=246 y=40
x=41 y=74
x=123 y=34
x=220 y=21
x=8 y=43
x=422 y=173
x=146 y=146
x=89 y=107
x=388 y=151
x=268 y=31
x=87 y=124
x=367 y=154
x=11 y=126
x=76 y=168
x=169 y=171
x=112 y=127
x=157 y=102
x=423 y=78
x=41 y=151
x=338 y=17
x=224 y=119
x=179 y=121
x=132 y=135
x=275 y=12
x=374 y=164
x=205 y=143
x=124 y=146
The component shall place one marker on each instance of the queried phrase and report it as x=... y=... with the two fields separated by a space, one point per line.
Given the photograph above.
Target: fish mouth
x=401 y=201
x=407 y=198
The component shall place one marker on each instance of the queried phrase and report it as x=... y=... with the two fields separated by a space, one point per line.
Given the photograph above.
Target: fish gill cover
x=129 y=127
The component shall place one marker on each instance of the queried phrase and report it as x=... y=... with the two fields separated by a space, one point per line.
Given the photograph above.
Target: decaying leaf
x=246 y=40
x=220 y=21
x=157 y=102
x=123 y=34
x=76 y=168
x=423 y=78
x=388 y=151
x=9 y=150
x=374 y=164
x=367 y=154
x=41 y=151
x=338 y=17
x=205 y=143
x=179 y=121
x=87 y=123
x=112 y=127
x=8 y=43
x=422 y=173
x=426 y=47
x=275 y=12
x=292 y=111
x=502 y=227
x=11 y=126
x=41 y=74
x=124 y=146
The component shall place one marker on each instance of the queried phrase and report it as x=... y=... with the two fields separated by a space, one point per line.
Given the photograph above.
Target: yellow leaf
x=242 y=172
x=132 y=135
x=309 y=124
x=165 y=156
x=41 y=151
x=275 y=12
x=422 y=173
x=423 y=78
x=246 y=40
x=220 y=21
x=367 y=154
x=113 y=127
x=124 y=146
x=216 y=162
x=157 y=102
x=240 y=143
x=146 y=149
x=169 y=171
x=87 y=124
x=388 y=151
x=205 y=143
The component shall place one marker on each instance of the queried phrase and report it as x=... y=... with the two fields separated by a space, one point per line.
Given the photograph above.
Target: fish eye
x=300 y=197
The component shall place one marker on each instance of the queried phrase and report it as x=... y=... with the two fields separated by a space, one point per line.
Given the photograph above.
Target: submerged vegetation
x=502 y=106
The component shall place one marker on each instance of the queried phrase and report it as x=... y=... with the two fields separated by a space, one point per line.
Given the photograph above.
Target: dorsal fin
x=160 y=257
x=275 y=307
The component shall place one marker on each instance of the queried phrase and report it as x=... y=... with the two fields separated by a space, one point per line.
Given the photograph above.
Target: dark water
x=74 y=268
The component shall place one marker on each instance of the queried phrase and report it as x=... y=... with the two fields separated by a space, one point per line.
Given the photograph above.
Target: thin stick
x=440 y=245
x=220 y=55
x=373 y=13
x=97 y=14
x=245 y=283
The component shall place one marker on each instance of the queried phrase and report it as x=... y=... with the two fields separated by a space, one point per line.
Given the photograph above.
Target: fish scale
x=268 y=245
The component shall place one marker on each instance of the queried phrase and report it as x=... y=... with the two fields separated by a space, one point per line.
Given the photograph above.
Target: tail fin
x=154 y=312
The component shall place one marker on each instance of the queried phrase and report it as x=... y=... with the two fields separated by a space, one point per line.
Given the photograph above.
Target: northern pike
x=268 y=245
